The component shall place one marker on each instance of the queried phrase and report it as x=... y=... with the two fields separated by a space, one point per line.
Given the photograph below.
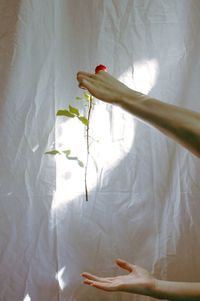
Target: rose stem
x=88 y=146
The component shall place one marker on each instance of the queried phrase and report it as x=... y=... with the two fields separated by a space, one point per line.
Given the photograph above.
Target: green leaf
x=74 y=110
x=78 y=98
x=65 y=113
x=53 y=152
x=80 y=163
x=83 y=120
x=72 y=158
x=87 y=96
x=67 y=152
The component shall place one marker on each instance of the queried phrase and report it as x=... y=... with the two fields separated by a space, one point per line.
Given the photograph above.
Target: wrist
x=150 y=287
x=131 y=99
x=147 y=288
x=157 y=292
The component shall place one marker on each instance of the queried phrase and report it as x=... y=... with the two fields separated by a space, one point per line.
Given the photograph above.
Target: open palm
x=137 y=281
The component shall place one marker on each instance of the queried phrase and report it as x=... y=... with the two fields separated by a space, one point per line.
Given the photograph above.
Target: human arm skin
x=139 y=281
x=180 y=124
x=177 y=291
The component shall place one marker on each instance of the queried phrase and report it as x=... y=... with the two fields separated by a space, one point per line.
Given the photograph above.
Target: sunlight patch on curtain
x=111 y=138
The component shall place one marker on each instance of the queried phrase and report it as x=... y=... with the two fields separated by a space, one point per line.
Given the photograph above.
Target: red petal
x=101 y=68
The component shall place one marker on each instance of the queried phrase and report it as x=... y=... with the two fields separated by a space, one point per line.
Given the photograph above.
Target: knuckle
x=94 y=76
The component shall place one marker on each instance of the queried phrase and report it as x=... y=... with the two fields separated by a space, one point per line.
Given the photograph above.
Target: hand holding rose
x=102 y=85
x=175 y=122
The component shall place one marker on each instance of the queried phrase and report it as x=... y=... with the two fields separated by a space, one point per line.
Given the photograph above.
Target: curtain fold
x=143 y=188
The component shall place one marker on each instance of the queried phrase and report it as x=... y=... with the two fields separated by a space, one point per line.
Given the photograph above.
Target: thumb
x=125 y=265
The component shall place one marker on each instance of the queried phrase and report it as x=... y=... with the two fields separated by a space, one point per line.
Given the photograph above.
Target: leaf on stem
x=53 y=152
x=72 y=158
x=67 y=152
x=74 y=110
x=86 y=96
x=83 y=120
x=80 y=163
x=65 y=113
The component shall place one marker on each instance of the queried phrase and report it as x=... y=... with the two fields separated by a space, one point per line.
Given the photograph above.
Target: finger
x=82 y=77
x=88 y=282
x=82 y=74
x=86 y=84
x=81 y=87
x=125 y=265
x=93 y=277
x=104 y=286
x=82 y=84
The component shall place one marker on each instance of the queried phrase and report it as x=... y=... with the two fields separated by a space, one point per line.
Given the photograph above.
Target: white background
x=144 y=190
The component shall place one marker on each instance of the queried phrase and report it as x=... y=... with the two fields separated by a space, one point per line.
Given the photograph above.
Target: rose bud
x=100 y=68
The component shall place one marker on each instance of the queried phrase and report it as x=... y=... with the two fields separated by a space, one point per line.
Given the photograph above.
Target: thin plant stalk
x=88 y=147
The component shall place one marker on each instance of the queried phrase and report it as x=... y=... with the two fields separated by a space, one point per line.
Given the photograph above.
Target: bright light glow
x=69 y=175
x=35 y=148
x=114 y=130
x=27 y=298
x=142 y=75
x=110 y=141
x=59 y=276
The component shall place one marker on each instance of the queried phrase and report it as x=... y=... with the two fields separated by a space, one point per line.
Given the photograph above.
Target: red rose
x=101 y=68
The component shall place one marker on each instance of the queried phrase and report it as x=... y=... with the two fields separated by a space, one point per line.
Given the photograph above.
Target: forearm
x=176 y=291
x=178 y=123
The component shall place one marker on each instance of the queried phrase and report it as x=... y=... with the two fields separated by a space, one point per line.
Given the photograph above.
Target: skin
x=140 y=281
x=137 y=281
x=178 y=123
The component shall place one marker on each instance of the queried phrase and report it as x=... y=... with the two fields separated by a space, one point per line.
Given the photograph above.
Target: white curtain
x=144 y=190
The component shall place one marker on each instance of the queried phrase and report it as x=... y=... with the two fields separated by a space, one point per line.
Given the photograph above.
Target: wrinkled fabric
x=144 y=189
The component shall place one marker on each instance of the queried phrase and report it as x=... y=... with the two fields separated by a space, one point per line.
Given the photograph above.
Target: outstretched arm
x=180 y=124
x=139 y=281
